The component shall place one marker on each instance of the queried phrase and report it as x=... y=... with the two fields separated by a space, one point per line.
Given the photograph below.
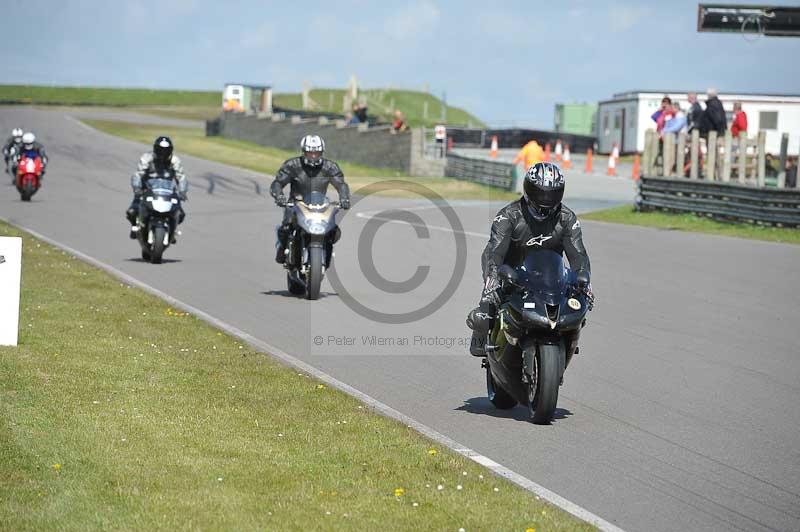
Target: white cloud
x=624 y=17
x=420 y=18
x=261 y=36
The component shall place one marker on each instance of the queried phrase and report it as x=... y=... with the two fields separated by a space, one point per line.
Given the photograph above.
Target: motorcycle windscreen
x=315 y=199
x=544 y=275
x=161 y=186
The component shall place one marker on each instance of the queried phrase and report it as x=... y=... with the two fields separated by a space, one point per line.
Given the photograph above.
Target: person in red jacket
x=739 y=122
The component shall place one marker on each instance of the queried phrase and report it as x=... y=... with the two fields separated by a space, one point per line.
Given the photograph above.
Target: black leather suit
x=303 y=179
x=514 y=230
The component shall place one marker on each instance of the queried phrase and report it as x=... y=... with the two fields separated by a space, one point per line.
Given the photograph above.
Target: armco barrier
x=490 y=173
x=727 y=201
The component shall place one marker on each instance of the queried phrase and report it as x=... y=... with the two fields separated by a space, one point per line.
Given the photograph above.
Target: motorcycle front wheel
x=158 y=245
x=314 y=275
x=544 y=380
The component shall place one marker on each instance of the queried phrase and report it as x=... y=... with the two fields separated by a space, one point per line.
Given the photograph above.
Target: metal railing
x=494 y=174
x=721 y=200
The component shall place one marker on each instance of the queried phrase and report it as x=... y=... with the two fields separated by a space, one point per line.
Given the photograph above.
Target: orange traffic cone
x=612 y=165
x=547 y=152
x=635 y=175
x=559 y=150
x=588 y=168
x=493 y=152
x=566 y=162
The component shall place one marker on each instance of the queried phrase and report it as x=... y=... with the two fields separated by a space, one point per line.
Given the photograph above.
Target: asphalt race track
x=682 y=411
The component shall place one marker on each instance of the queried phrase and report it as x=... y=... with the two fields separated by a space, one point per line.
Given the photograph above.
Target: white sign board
x=10 y=271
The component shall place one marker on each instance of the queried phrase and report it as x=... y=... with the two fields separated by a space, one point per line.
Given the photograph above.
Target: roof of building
x=630 y=93
x=251 y=85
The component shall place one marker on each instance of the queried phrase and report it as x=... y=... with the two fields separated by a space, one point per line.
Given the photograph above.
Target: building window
x=768 y=120
x=617 y=121
x=605 y=121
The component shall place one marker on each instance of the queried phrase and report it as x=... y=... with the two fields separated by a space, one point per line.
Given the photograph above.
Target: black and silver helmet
x=544 y=189
x=162 y=152
x=312 y=147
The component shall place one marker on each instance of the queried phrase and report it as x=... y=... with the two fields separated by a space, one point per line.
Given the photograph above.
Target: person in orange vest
x=530 y=154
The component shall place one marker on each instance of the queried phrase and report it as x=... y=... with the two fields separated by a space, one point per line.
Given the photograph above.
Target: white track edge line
x=386 y=410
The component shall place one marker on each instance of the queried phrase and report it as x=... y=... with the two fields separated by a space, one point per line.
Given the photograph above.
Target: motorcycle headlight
x=162 y=205
x=317 y=227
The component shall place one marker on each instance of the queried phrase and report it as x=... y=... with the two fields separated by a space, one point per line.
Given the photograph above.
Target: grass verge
x=33 y=94
x=420 y=108
x=267 y=160
x=689 y=222
x=118 y=412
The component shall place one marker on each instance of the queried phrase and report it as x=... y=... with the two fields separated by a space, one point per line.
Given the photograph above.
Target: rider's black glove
x=589 y=298
x=280 y=200
x=491 y=291
x=344 y=203
x=585 y=287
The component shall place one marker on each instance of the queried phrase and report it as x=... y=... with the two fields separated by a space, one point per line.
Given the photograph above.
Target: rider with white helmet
x=31 y=147
x=13 y=142
x=310 y=172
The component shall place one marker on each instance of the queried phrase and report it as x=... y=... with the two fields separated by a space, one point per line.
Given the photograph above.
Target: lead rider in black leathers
x=537 y=220
x=310 y=172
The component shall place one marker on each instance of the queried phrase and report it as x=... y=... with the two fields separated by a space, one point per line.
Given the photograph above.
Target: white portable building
x=626 y=116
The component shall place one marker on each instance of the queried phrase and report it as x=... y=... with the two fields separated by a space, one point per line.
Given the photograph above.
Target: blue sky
x=508 y=64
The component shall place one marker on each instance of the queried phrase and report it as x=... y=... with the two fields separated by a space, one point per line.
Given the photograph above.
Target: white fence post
x=761 y=158
x=695 y=153
x=727 y=155
x=711 y=156
x=10 y=272
x=742 y=157
x=680 y=160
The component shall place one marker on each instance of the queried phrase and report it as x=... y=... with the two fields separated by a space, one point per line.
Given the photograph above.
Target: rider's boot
x=480 y=320
x=280 y=246
x=130 y=214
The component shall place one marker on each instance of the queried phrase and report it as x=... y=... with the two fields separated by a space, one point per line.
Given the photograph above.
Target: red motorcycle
x=29 y=175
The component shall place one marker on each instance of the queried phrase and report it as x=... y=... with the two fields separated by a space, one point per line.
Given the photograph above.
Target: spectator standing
x=714 y=117
x=399 y=123
x=694 y=118
x=530 y=154
x=361 y=113
x=678 y=121
x=739 y=122
x=440 y=136
x=663 y=114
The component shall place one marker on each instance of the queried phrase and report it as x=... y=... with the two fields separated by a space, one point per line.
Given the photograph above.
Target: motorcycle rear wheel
x=295 y=288
x=497 y=395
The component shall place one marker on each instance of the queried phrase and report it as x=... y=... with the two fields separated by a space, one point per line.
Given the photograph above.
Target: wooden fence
x=716 y=158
